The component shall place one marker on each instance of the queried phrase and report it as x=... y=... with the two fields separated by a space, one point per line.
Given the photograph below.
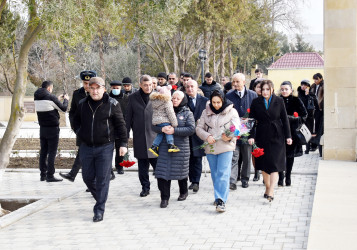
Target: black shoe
x=245 y=184
x=307 y=152
x=87 y=190
x=232 y=186
x=97 y=217
x=112 y=175
x=154 y=150
x=195 y=188
x=164 y=203
x=182 y=197
x=191 y=186
x=313 y=149
x=281 y=183
x=256 y=176
x=265 y=196
x=144 y=193
x=67 y=176
x=53 y=179
x=288 y=182
x=173 y=148
x=120 y=171
x=270 y=198
x=43 y=178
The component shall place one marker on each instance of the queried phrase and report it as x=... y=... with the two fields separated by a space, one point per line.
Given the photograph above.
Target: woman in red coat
x=271 y=132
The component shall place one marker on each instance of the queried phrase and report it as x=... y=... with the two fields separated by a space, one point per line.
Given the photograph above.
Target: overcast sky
x=311 y=12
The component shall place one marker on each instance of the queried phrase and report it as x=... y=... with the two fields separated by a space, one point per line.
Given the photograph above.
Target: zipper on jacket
x=110 y=113
x=92 y=136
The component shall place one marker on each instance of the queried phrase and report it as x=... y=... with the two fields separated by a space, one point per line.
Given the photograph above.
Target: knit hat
x=164 y=90
x=127 y=81
x=162 y=74
x=305 y=82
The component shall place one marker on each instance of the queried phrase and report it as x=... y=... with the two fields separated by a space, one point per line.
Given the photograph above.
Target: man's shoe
x=173 y=148
x=232 y=186
x=281 y=183
x=43 y=178
x=182 y=197
x=191 y=186
x=97 y=217
x=120 y=171
x=245 y=184
x=221 y=207
x=87 y=190
x=144 y=193
x=256 y=176
x=154 y=150
x=53 y=179
x=67 y=176
x=195 y=188
x=288 y=182
x=164 y=203
x=112 y=175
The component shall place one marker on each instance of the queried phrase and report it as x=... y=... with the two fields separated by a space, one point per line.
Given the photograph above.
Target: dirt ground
x=34 y=144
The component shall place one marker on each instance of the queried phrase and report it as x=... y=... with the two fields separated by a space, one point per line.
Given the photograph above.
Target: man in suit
x=197 y=104
x=139 y=119
x=242 y=99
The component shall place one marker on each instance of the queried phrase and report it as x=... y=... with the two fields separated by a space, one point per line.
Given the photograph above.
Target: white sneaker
x=221 y=207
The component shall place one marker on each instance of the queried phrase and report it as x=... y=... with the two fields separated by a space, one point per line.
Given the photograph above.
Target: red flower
x=257 y=152
x=296 y=114
x=238 y=137
x=248 y=111
x=127 y=164
x=174 y=87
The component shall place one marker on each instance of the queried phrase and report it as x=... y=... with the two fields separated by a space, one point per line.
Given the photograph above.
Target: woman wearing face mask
x=216 y=118
x=293 y=105
x=271 y=132
x=118 y=95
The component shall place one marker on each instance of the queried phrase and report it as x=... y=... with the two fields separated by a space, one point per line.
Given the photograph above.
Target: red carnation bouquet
x=257 y=152
x=126 y=163
x=174 y=87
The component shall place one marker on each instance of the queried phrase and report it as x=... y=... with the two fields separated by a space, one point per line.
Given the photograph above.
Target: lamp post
x=202 y=56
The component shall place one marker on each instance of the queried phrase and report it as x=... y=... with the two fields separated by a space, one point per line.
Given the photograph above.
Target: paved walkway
x=132 y=222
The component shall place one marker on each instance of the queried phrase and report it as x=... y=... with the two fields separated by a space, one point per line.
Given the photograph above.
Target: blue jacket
x=195 y=140
x=242 y=104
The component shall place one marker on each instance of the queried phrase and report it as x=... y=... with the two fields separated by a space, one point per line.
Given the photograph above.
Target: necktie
x=191 y=104
x=240 y=94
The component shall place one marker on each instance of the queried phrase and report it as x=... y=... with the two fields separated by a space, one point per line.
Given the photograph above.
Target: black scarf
x=225 y=102
x=181 y=105
x=144 y=96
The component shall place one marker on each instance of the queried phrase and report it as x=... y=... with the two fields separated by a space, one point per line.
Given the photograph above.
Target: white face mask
x=116 y=91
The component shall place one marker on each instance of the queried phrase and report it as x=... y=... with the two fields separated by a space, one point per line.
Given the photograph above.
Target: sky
x=311 y=13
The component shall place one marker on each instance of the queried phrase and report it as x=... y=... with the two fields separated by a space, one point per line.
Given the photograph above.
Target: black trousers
x=118 y=159
x=143 y=166
x=195 y=169
x=76 y=165
x=165 y=185
x=49 y=137
x=289 y=168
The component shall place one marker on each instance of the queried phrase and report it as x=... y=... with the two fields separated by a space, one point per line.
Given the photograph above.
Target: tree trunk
x=101 y=55
x=214 y=55
x=206 y=47
x=222 y=56
x=17 y=104
x=230 y=59
x=138 y=48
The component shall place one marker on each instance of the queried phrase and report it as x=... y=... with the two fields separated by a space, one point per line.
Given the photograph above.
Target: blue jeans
x=96 y=168
x=160 y=136
x=220 y=166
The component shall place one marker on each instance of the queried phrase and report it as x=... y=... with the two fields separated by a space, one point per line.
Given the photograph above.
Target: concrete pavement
x=132 y=222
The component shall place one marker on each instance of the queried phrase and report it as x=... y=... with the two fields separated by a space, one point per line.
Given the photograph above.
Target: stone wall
x=340 y=46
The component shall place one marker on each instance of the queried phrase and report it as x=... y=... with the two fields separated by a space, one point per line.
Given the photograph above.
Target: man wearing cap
x=139 y=119
x=128 y=86
x=118 y=95
x=98 y=122
x=78 y=95
x=47 y=106
x=161 y=78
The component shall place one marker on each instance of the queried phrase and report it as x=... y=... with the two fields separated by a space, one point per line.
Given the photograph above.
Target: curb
x=32 y=208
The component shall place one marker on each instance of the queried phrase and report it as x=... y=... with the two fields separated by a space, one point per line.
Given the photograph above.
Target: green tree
x=302 y=46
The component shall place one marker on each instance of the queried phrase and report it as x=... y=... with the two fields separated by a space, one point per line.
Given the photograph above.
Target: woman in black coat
x=271 y=132
x=292 y=104
x=175 y=166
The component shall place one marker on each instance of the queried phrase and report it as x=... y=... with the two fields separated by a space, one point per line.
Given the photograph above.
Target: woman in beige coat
x=211 y=127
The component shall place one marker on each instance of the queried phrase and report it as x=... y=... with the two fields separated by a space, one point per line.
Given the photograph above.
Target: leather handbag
x=303 y=134
x=310 y=104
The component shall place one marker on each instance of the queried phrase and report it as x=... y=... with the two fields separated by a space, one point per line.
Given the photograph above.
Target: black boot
x=120 y=169
x=281 y=179
x=289 y=167
x=112 y=175
x=256 y=175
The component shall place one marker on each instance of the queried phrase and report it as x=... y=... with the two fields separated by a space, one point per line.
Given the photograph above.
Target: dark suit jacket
x=194 y=139
x=139 y=119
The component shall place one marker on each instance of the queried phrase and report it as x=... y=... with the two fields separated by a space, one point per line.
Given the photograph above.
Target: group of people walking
x=175 y=123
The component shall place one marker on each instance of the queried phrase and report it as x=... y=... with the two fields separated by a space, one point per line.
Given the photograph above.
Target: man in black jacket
x=98 y=122
x=47 y=107
x=128 y=88
x=209 y=85
x=78 y=95
x=139 y=119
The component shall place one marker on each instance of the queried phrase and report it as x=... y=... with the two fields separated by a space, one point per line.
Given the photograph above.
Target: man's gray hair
x=239 y=76
x=172 y=73
x=191 y=80
x=180 y=93
x=145 y=78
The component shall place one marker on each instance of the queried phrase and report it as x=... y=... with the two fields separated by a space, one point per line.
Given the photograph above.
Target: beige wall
x=5 y=104
x=277 y=76
x=340 y=46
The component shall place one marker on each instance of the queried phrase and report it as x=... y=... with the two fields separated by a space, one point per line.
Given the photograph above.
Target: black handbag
x=310 y=104
x=303 y=134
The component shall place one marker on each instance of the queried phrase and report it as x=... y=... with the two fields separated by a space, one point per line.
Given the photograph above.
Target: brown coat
x=215 y=124
x=320 y=97
x=163 y=110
